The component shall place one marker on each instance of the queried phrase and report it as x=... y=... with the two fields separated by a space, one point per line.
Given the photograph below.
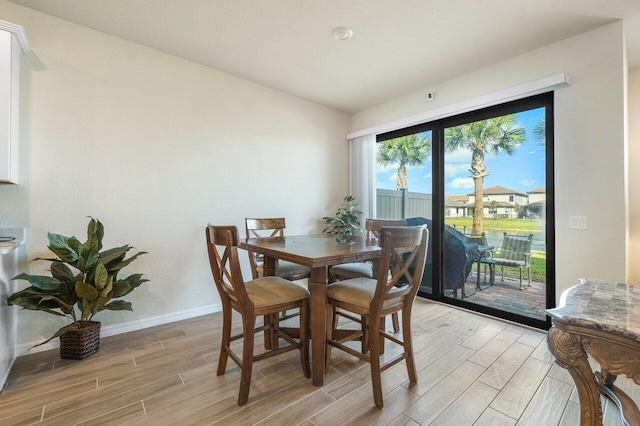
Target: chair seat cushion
x=508 y=262
x=288 y=270
x=359 y=292
x=353 y=270
x=271 y=291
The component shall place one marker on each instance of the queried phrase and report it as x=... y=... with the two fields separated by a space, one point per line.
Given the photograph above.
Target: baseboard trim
x=112 y=330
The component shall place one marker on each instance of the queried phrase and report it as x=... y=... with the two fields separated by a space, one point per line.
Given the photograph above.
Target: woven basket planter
x=80 y=343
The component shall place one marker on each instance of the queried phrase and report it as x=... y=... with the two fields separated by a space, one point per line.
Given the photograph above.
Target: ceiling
x=398 y=46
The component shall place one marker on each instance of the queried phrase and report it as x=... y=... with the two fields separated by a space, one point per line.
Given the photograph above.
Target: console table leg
x=571 y=356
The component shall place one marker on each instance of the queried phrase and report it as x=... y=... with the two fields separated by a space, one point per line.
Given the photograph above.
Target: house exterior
x=537 y=203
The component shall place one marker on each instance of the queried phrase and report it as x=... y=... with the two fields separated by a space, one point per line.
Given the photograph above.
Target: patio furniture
x=516 y=253
x=271 y=228
x=374 y=299
x=267 y=296
x=459 y=256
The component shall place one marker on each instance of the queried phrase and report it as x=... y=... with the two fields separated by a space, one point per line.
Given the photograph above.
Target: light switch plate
x=577 y=222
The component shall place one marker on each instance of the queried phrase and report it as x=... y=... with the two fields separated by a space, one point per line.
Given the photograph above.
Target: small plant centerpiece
x=345 y=221
x=84 y=281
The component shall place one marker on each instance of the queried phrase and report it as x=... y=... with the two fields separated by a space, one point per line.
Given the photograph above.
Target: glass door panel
x=404 y=185
x=494 y=237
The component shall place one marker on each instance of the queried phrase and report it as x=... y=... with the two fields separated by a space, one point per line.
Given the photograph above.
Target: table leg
x=571 y=356
x=318 y=290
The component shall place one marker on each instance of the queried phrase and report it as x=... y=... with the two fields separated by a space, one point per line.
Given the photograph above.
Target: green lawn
x=509 y=225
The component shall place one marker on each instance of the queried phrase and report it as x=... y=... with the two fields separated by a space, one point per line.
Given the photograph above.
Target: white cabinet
x=8 y=314
x=12 y=43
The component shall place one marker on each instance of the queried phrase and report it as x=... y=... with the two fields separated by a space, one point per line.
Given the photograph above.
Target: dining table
x=319 y=253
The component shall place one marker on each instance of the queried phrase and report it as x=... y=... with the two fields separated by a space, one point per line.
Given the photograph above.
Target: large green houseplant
x=84 y=281
x=345 y=221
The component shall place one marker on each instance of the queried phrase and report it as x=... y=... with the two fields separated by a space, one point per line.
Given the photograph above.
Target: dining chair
x=272 y=228
x=365 y=269
x=267 y=297
x=372 y=299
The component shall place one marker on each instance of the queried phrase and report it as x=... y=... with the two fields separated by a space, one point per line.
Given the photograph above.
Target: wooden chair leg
x=396 y=323
x=331 y=322
x=248 y=326
x=374 y=354
x=226 y=339
x=304 y=338
x=408 y=346
x=364 y=342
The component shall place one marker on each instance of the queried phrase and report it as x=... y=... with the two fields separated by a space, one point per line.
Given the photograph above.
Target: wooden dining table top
x=313 y=250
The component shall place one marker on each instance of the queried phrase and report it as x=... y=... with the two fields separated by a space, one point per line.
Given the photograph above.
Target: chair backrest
x=515 y=247
x=478 y=239
x=404 y=249
x=261 y=228
x=225 y=266
x=372 y=226
x=264 y=227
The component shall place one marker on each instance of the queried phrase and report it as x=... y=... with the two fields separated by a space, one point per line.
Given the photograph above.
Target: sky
x=522 y=171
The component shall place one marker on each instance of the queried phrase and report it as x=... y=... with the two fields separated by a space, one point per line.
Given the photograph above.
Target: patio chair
x=516 y=253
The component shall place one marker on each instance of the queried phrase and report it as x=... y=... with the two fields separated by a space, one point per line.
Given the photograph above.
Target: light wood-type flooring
x=472 y=370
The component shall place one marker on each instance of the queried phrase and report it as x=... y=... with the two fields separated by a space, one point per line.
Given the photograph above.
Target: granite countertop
x=9 y=246
x=601 y=305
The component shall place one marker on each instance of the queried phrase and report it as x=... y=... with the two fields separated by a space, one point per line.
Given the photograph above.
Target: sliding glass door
x=404 y=180
x=483 y=183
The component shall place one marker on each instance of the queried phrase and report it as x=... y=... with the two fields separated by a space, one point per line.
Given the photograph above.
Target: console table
x=602 y=320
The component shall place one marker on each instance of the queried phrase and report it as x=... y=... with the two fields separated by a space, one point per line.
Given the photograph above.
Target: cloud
x=461 y=183
x=454 y=169
x=532 y=152
x=527 y=182
x=460 y=155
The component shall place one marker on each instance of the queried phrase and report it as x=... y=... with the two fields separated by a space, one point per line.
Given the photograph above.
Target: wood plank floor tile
x=432 y=374
x=548 y=403
x=491 y=417
x=501 y=371
x=495 y=348
x=571 y=415
x=517 y=393
x=438 y=398
x=166 y=375
x=120 y=416
x=468 y=407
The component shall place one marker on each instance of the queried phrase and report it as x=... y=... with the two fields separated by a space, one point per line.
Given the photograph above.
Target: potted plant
x=84 y=281
x=345 y=221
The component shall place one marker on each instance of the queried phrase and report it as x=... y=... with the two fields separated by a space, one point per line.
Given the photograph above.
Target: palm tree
x=492 y=136
x=405 y=151
x=540 y=131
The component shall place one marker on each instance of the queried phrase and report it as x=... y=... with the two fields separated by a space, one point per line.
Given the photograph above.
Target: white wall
x=589 y=141
x=633 y=96
x=156 y=147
